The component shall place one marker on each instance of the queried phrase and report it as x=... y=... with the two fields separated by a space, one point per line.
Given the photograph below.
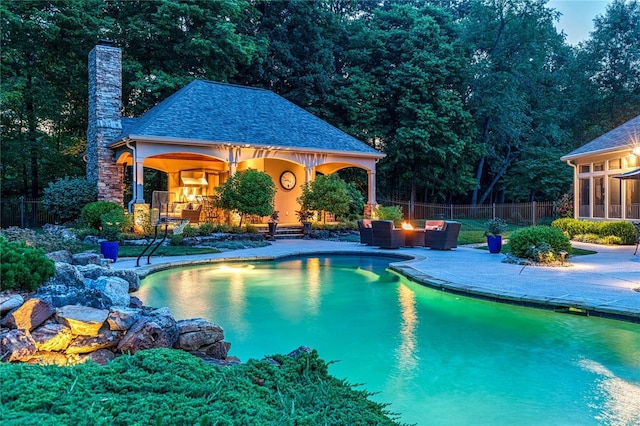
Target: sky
x=577 y=17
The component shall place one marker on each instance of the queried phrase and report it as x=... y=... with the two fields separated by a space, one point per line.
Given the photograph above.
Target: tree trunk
x=32 y=136
x=485 y=141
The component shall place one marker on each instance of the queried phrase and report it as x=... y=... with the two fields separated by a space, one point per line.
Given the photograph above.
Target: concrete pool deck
x=603 y=284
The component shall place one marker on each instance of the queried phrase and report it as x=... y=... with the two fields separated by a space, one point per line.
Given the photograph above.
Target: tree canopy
x=472 y=101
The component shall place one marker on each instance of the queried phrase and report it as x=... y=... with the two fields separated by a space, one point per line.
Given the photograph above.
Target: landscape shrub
x=65 y=197
x=112 y=223
x=623 y=230
x=171 y=387
x=206 y=229
x=578 y=229
x=23 y=267
x=43 y=240
x=587 y=238
x=91 y=214
x=393 y=213
x=189 y=231
x=531 y=242
x=176 y=239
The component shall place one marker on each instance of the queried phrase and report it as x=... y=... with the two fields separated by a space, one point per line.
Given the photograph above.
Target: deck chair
x=366 y=232
x=444 y=239
x=386 y=235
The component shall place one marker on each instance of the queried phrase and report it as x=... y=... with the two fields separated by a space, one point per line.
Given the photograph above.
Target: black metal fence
x=31 y=213
x=24 y=212
x=518 y=214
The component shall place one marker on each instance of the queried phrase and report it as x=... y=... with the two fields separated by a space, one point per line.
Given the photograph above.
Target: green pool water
x=438 y=358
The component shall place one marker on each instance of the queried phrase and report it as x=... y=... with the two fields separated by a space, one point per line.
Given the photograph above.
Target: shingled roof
x=210 y=112
x=619 y=138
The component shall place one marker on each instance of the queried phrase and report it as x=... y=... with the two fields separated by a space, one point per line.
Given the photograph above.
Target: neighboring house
x=208 y=131
x=607 y=175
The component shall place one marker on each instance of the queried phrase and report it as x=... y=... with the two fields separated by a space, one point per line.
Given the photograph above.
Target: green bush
x=393 y=213
x=65 y=197
x=172 y=387
x=535 y=242
x=113 y=222
x=43 y=240
x=189 y=231
x=625 y=231
x=206 y=229
x=23 y=267
x=92 y=213
x=176 y=239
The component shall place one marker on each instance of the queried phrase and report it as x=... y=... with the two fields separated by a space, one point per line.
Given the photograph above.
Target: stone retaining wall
x=85 y=312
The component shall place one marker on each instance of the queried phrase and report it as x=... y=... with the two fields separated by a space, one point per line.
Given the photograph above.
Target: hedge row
x=624 y=231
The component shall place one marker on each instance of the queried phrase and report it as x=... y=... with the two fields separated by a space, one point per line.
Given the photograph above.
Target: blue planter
x=495 y=243
x=109 y=250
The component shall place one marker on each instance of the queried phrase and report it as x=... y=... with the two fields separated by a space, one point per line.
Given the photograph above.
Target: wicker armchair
x=366 y=232
x=192 y=214
x=444 y=239
x=385 y=235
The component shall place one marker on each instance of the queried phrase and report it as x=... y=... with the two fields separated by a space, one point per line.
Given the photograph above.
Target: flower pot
x=272 y=230
x=495 y=243
x=109 y=250
x=306 y=229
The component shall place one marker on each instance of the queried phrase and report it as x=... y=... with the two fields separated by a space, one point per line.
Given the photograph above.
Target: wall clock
x=288 y=180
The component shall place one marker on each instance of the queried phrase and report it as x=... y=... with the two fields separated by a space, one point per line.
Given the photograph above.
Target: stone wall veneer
x=105 y=103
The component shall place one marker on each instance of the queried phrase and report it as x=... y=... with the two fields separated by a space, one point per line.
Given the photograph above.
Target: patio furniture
x=413 y=237
x=444 y=239
x=366 y=232
x=386 y=235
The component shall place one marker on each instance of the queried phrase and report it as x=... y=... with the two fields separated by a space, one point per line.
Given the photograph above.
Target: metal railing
x=519 y=214
x=24 y=212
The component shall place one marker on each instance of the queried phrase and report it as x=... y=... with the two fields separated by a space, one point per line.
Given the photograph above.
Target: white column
x=371 y=193
x=308 y=174
x=138 y=181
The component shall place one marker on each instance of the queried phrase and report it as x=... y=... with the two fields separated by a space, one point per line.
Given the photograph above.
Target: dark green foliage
x=535 y=241
x=65 y=197
x=42 y=240
x=250 y=192
x=113 y=222
x=623 y=230
x=205 y=229
x=597 y=232
x=356 y=207
x=171 y=387
x=23 y=267
x=189 y=231
x=326 y=193
x=92 y=213
x=393 y=213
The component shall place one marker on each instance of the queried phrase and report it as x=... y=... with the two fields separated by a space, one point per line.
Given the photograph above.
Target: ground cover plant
x=169 y=387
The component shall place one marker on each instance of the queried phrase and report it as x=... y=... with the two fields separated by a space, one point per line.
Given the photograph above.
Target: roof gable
x=223 y=113
x=623 y=136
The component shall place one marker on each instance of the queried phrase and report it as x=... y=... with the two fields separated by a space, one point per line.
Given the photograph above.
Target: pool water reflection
x=438 y=358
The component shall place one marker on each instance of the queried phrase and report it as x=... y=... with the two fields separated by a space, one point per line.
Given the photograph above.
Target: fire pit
x=412 y=237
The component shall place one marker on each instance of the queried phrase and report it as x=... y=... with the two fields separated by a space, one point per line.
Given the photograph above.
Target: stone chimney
x=105 y=103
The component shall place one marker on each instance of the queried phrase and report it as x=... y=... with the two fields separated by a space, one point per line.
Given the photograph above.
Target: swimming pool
x=437 y=358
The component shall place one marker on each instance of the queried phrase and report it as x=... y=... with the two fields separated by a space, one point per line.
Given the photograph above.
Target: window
x=615 y=197
x=583 y=201
x=598 y=197
x=584 y=168
x=632 y=161
x=598 y=167
x=633 y=199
